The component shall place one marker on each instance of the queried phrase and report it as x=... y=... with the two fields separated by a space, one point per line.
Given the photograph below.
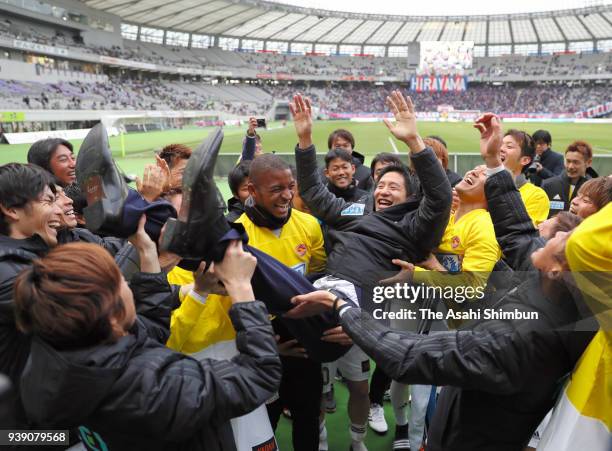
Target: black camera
x=533 y=167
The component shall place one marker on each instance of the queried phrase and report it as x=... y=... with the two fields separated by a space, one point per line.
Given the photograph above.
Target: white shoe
x=376 y=419
x=323 y=445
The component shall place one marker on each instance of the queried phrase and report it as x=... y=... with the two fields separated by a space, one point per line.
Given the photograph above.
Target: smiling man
x=29 y=223
x=56 y=156
x=517 y=152
x=340 y=173
x=363 y=243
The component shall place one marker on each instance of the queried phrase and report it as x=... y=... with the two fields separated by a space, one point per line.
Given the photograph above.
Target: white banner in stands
x=32 y=137
x=26 y=45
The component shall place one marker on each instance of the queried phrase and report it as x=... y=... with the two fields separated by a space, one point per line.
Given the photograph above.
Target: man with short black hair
x=340 y=172
x=29 y=222
x=550 y=163
x=562 y=189
x=238 y=181
x=343 y=139
x=381 y=160
x=517 y=153
x=56 y=155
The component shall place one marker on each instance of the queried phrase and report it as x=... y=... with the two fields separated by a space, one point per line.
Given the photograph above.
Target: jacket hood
x=62 y=388
x=26 y=249
x=358 y=158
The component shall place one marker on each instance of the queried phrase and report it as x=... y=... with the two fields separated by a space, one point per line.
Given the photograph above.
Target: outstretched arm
x=434 y=210
x=514 y=228
x=322 y=203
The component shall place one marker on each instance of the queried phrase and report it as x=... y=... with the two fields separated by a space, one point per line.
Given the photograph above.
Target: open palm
x=405 y=126
x=301 y=112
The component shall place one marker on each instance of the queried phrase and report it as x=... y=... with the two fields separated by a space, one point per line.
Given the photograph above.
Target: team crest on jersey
x=455 y=242
x=301 y=249
x=353 y=210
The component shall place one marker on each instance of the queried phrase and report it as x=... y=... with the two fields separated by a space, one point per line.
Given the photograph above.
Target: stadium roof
x=262 y=20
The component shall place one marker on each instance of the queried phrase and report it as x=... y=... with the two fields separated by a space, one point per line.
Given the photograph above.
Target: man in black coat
x=343 y=139
x=550 y=163
x=562 y=189
x=500 y=375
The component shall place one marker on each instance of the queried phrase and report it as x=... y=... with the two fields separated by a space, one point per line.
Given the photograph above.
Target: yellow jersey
x=468 y=249
x=536 y=202
x=196 y=325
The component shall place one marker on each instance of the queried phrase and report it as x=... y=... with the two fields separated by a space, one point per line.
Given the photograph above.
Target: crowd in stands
x=159 y=340
x=243 y=100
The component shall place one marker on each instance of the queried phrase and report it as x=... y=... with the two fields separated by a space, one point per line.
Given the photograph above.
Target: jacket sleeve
x=514 y=229
x=154 y=298
x=479 y=360
x=248 y=148
x=182 y=394
x=432 y=215
x=322 y=203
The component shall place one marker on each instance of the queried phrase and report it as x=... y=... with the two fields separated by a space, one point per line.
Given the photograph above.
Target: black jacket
x=558 y=188
x=15 y=255
x=363 y=244
x=553 y=165
x=500 y=376
x=235 y=208
x=351 y=194
x=453 y=177
x=137 y=394
x=111 y=244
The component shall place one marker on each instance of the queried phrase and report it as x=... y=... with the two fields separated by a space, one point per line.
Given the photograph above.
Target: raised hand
x=490 y=128
x=405 y=126
x=252 y=126
x=147 y=251
x=153 y=182
x=165 y=170
x=301 y=112
x=206 y=282
x=311 y=304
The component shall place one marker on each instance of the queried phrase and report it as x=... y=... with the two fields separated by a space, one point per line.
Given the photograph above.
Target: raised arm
x=514 y=228
x=434 y=210
x=250 y=141
x=322 y=203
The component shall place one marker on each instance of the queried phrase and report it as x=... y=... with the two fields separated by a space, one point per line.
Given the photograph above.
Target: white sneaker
x=323 y=445
x=376 y=419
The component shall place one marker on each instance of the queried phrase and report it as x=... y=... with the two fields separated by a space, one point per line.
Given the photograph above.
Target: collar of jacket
x=565 y=178
x=397 y=212
x=346 y=193
x=262 y=218
x=235 y=205
x=22 y=247
x=358 y=159
x=520 y=180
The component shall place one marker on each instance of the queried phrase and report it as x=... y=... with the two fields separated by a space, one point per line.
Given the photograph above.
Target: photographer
x=546 y=163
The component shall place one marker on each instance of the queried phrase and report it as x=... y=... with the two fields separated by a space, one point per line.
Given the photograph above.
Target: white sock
x=358 y=432
x=399 y=401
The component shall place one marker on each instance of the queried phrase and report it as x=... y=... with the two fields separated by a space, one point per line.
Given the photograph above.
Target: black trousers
x=300 y=391
x=379 y=384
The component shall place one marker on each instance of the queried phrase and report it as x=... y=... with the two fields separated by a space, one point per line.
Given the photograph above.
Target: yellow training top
x=536 y=202
x=196 y=325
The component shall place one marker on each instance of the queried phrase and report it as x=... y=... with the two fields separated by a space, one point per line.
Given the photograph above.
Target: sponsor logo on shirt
x=455 y=242
x=301 y=249
x=268 y=445
x=300 y=268
x=452 y=262
x=557 y=205
x=353 y=210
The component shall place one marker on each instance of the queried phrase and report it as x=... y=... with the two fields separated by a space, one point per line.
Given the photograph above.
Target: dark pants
x=300 y=392
x=379 y=384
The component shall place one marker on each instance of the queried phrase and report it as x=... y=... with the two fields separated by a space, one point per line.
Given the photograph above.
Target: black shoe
x=401 y=441
x=101 y=182
x=201 y=221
